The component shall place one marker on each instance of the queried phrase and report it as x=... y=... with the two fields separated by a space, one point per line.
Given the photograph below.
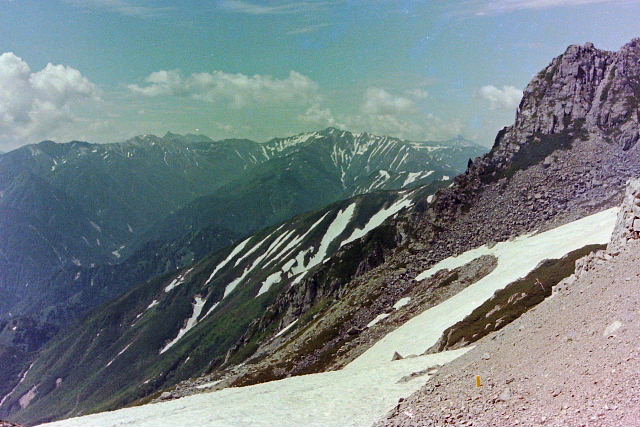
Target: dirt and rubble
x=571 y=360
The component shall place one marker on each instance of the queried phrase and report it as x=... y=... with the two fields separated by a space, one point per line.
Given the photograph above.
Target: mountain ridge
x=563 y=159
x=122 y=189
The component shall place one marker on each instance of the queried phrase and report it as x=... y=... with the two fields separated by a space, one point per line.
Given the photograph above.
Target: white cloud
x=308 y=29
x=503 y=6
x=317 y=115
x=384 y=113
x=507 y=98
x=279 y=8
x=378 y=101
x=122 y=7
x=417 y=93
x=35 y=104
x=236 y=90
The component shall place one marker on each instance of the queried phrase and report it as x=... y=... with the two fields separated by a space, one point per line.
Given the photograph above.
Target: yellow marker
x=478 y=381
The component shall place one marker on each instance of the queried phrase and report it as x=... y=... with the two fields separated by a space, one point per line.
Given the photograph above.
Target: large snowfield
x=368 y=387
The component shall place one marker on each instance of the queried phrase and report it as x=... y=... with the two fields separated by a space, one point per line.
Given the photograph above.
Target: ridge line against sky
x=413 y=69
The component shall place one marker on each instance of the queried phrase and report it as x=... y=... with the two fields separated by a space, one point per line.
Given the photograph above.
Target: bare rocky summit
x=597 y=87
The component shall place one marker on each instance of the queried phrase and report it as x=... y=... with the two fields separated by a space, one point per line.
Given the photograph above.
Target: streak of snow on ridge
x=198 y=305
x=229 y=257
x=377 y=219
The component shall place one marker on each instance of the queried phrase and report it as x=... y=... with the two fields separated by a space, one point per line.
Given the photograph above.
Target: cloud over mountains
x=32 y=104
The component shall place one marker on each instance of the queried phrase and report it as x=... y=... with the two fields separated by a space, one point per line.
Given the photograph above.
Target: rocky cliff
x=628 y=225
x=595 y=88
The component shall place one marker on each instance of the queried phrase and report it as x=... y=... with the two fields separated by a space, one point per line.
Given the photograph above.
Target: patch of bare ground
x=572 y=360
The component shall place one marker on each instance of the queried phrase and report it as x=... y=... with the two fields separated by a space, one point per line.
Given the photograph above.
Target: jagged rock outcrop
x=584 y=85
x=628 y=223
x=574 y=134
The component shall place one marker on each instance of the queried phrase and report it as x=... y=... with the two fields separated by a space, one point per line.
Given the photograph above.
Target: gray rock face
x=628 y=223
x=562 y=92
x=596 y=88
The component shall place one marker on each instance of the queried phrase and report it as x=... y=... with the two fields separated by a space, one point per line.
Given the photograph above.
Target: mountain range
x=174 y=201
x=349 y=291
x=85 y=205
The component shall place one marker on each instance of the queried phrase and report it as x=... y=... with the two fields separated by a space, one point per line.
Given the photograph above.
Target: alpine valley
x=83 y=223
x=332 y=278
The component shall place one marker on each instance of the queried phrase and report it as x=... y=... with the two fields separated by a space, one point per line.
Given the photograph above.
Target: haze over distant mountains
x=81 y=204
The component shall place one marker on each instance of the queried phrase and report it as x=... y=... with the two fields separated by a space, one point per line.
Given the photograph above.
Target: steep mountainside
x=569 y=153
x=311 y=170
x=69 y=293
x=87 y=205
x=78 y=203
x=371 y=385
x=181 y=325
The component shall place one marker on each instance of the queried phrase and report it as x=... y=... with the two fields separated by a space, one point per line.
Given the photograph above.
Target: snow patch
x=516 y=258
x=414 y=176
x=345 y=398
x=334 y=230
x=177 y=281
x=378 y=318
x=208 y=385
x=377 y=219
x=96 y=226
x=229 y=257
x=401 y=303
x=213 y=307
x=118 y=355
x=198 y=305
x=116 y=253
x=271 y=280
x=286 y=328
x=150 y=306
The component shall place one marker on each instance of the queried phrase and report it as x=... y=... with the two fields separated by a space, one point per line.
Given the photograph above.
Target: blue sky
x=106 y=70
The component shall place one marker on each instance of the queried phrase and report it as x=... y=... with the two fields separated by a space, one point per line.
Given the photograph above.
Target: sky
x=107 y=70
